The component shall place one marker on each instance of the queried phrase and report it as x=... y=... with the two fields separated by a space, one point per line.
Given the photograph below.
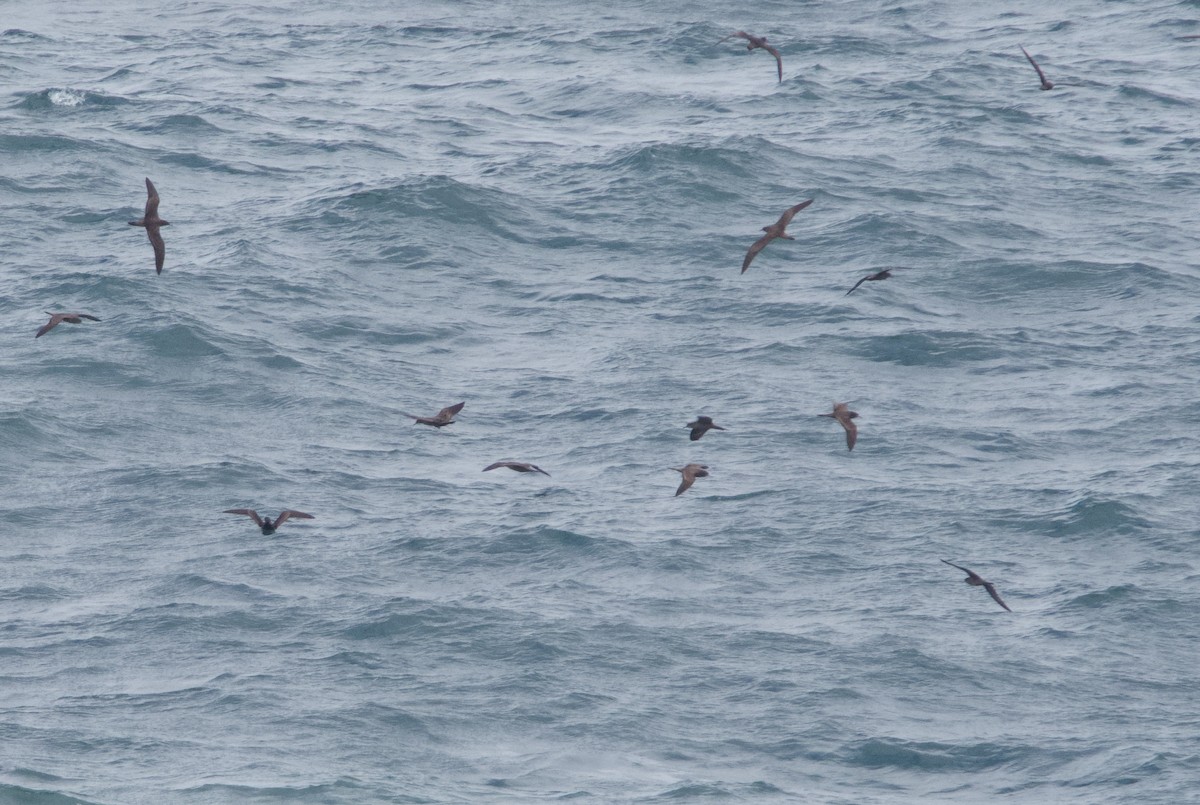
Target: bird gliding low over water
x=975 y=580
x=690 y=473
x=878 y=275
x=775 y=230
x=268 y=527
x=441 y=419
x=759 y=42
x=701 y=426
x=518 y=466
x=845 y=417
x=58 y=318
x=152 y=223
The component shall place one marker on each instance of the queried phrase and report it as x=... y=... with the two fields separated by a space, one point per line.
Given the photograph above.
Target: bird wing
x=991 y=588
x=447 y=413
x=86 y=316
x=755 y=248
x=151 y=200
x=497 y=465
x=698 y=431
x=1041 y=75
x=48 y=326
x=686 y=483
x=971 y=574
x=286 y=513
x=960 y=567
x=742 y=34
x=860 y=282
x=536 y=468
x=160 y=248
x=851 y=429
x=790 y=213
x=251 y=513
x=778 y=59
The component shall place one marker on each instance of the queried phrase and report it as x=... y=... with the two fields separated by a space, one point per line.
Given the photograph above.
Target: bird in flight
x=759 y=42
x=775 y=230
x=265 y=523
x=975 y=580
x=690 y=473
x=152 y=223
x=58 y=318
x=518 y=466
x=878 y=275
x=441 y=419
x=845 y=417
x=701 y=426
x=1045 y=81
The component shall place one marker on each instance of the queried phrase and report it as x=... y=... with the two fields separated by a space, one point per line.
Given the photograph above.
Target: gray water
x=541 y=210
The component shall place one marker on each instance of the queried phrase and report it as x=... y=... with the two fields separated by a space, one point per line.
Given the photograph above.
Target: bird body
x=690 y=473
x=775 y=230
x=975 y=580
x=1046 y=84
x=759 y=42
x=152 y=224
x=518 y=466
x=441 y=419
x=845 y=418
x=701 y=426
x=265 y=523
x=58 y=318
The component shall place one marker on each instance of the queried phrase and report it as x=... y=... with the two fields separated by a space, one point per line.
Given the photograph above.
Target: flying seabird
x=690 y=473
x=152 y=223
x=975 y=580
x=58 y=318
x=759 y=42
x=844 y=416
x=878 y=275
x=265 y=523
x=775 y=230
x=442 y=418
x=1045 y=81
x=701 y=426
x=519 y=466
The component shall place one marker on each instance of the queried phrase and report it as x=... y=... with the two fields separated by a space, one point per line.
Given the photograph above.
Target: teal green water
x=542 y=211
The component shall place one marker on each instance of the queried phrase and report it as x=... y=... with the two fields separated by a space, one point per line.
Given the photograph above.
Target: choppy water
x=542 y=210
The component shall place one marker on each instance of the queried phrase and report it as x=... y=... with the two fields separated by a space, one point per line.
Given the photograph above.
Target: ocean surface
x=541 y=209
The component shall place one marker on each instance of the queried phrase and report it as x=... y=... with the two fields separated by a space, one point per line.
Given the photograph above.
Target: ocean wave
x=21 y=795
x=934 y=756
x=68 y=98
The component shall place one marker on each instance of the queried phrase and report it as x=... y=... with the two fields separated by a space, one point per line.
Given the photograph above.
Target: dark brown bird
x=759 y=42
x=441 y=419
x=152 y=223
x=878 y=275
x=975 y=580
x=845 y=417
x=701 y=426
x=1045 y=81
x=58 y=318
x=775 y=230
x=265 y=523
x=690 y=473
x=519 y=466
